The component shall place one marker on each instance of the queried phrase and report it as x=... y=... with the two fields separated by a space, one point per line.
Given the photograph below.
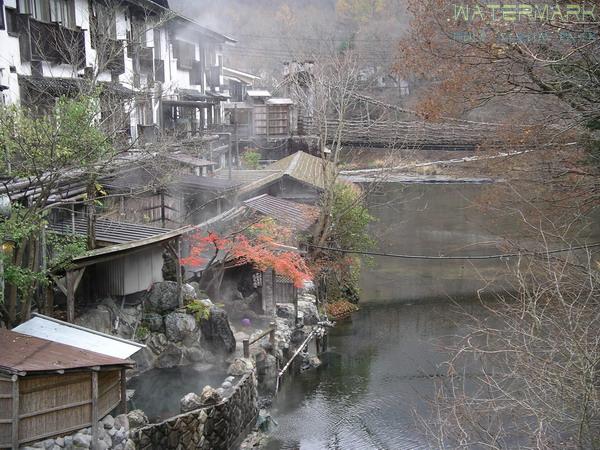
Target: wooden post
x=70 y=296
x=123 y=405
x=15 y=412
x=246 y=343
x=179 y=274
x=273 y=326
x=94 y=410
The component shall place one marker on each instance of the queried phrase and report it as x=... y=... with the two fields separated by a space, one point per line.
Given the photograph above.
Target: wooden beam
x=95 y=417
x=70 y=296
x=59 y=283
x=78 y=277
x=73 y=279
x=15 y=412
x=123 y=391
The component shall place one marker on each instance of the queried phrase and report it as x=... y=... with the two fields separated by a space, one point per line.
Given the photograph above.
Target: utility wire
x=500 y=256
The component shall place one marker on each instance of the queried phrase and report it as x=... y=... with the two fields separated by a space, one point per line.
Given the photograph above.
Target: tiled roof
x=305 y=168
x=22 y=353
x=108 y=231
x=297 y=215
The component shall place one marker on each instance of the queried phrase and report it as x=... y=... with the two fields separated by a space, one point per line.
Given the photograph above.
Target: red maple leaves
x=259 y=249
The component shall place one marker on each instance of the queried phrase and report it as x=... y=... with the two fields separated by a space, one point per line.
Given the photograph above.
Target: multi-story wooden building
x=164 y=69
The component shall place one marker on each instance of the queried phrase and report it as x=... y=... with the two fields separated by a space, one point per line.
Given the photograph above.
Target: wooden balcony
x=40 y=41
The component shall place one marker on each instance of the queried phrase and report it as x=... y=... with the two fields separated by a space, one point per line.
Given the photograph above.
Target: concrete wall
x=218 y=427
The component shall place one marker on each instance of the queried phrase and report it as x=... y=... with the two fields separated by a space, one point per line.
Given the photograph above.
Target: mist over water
x=158 y=391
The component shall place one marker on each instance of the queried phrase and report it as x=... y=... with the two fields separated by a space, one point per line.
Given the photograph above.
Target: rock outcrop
x=217 y=332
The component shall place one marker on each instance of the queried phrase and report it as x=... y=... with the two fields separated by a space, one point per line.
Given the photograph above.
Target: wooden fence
x=38 y=407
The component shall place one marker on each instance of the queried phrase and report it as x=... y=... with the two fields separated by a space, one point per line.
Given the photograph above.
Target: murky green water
x=383 y=363
x=378 y=376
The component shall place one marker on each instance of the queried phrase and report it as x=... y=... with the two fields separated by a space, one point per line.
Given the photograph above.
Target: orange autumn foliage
x=260 y=250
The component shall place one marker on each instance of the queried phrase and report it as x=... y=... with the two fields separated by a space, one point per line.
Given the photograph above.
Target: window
x=41 y=10
x=11 y=22
x=105 y=22
x=60 y=11
x=63 y=12
x=2 y=24
x=185 y=54
x=25 y=7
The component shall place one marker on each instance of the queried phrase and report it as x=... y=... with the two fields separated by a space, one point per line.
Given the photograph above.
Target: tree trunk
x=12 y=296
x=91 y=215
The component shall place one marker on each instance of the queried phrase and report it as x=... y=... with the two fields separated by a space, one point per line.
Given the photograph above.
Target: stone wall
x=218 y=427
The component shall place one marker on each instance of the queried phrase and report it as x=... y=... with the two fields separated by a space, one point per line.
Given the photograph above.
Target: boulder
x=99 y=318
x=179 y=326
x=189 y=293
x=240 y=366
x=190 y=402
x=154 y=322
x=108 y=422
x=311 y=314
x=163 y=297
x=82 y=440
x=285 y=310
x=266 y=371
x=217 y=332
x=209 y=396
x=157 y=342
x=197 y=354
x=137 y=418
x=170 y=357
x=122 y=421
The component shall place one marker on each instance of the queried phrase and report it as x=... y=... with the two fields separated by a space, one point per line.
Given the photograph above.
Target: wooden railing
x=269 y=332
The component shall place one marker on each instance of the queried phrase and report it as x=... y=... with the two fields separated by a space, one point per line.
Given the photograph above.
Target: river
x=377 y=378
x=382 y=365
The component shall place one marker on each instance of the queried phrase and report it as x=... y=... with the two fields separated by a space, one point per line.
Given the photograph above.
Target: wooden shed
x=49 y=389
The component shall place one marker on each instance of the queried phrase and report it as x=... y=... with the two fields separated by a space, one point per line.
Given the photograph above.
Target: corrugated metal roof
x=306 y=168
x=107 y=230
x=23 y=353
x=55 y=330
x=212 y=184
x=191 y=160
x=118 y=250
x=298 y=215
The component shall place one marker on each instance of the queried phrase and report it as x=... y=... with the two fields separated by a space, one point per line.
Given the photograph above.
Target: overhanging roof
x=119 y=250
x=299 y=216
x=239 y=75
x=258 y=93
x=55 y=330
x=211 y=184
x=191 y=160
x=22 y=354
x=108 y=231
x=280 y=101
x=305 y=168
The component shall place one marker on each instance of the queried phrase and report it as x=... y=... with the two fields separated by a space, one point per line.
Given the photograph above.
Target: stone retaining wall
x=218 y=427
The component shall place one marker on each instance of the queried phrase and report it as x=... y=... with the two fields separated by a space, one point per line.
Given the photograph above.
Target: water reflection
x=380 y=370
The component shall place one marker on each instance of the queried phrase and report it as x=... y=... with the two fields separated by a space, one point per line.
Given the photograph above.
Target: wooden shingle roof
x=305 y=168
